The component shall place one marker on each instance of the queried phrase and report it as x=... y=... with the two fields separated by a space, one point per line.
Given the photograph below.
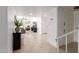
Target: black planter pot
x=16 y=41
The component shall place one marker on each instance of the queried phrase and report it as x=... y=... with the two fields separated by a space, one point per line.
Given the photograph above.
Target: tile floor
x=35 y=43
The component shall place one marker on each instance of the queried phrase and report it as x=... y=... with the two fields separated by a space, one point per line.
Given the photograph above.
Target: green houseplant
x=17 y=23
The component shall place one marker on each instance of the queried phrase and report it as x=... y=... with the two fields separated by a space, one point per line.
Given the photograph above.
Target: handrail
x=67 y=34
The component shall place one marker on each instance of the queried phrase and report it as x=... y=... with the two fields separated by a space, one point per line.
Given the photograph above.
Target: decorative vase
x=17 y=29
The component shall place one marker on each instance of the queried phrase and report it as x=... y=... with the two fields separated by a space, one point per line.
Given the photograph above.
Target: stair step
x=72 y=47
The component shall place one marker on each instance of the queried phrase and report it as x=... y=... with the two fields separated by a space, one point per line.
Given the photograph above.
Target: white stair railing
x=65 y=35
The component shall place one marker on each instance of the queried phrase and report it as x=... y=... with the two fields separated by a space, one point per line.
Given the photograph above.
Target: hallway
x=33 y=42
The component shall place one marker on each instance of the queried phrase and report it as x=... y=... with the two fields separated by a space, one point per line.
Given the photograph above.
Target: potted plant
x=17 y=23
x=17 y=35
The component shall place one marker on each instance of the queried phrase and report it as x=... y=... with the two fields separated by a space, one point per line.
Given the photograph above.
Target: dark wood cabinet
x=16 y=41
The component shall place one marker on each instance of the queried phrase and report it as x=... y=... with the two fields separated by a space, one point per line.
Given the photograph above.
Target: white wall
x=49 y=25
x=76 y=21
x=11 y=12
x=3 y=30
x=60 y=24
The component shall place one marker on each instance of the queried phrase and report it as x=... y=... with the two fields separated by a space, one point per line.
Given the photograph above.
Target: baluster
x=66 y=44
x=57 y=46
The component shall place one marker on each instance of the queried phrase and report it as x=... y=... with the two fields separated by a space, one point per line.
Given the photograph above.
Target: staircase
x=71 y=47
